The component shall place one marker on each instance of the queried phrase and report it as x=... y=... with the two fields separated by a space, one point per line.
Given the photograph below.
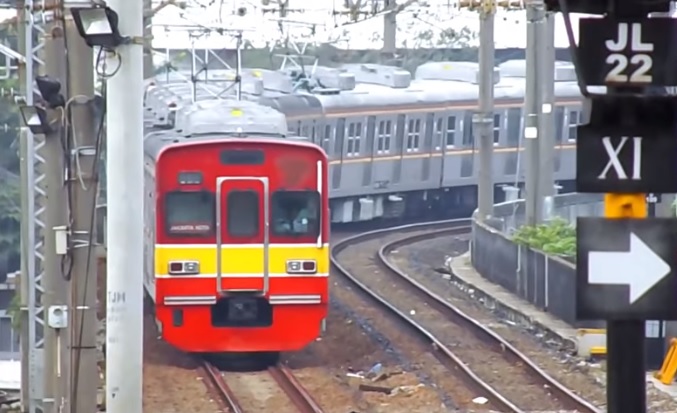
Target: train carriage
x=237 y=231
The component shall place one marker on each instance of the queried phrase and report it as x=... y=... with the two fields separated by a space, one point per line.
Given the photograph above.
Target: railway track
x=224 y=386
x=509 y=380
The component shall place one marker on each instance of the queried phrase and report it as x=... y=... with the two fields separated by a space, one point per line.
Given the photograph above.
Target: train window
x=451 y=131
x=243 y=213
x=413 y=134
x=354 y=135
x=559 y=123
x=497 y=128
x=514 y=126
x=439 y=132
x=384 y=130
x=573 y=124
x=357 y=138
x=190 y=213
x=242 y=157
x=296 y=213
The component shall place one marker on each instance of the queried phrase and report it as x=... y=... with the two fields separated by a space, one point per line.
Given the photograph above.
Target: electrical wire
x=101 y=66
x=89 y=244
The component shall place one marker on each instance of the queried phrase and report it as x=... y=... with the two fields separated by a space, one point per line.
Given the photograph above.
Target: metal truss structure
x=30 y=18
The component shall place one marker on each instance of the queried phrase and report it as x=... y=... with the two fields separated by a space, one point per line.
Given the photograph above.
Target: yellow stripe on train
x=240 y=259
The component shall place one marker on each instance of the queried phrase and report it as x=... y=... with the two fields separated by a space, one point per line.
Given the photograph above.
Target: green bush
x=554 y=238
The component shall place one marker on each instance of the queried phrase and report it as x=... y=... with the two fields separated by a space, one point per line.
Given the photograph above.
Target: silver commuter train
x=399 y=146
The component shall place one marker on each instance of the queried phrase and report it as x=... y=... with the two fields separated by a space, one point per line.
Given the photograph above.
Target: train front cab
x=262 y=282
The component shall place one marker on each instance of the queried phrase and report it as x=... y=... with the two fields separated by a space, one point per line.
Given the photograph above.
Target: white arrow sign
x=640 y=268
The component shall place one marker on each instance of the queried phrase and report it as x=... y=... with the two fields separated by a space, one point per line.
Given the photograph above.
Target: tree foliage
x=557 y=237
x=10 y=201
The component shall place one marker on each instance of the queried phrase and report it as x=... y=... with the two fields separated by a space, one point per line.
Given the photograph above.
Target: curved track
x=507 y=378
x=228 y=400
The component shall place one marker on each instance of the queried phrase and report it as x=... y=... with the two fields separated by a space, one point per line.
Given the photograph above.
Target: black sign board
x=625 y=269
x=628 y=52
x=609 y=159
x=629 y=145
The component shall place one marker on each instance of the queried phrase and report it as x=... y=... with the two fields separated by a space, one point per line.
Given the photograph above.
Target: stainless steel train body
x=401 y=144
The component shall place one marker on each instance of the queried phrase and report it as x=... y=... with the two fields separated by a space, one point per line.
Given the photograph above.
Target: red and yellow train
x=237 y=230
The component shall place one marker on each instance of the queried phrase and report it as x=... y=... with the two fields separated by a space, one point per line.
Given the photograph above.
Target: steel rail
x=458 y=226
x=216 y=383
x=294 y=390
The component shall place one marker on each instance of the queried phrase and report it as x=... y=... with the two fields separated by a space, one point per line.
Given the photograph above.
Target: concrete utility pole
x=82 y=173
x=546 y=124
x=56 y=287
x=532 y=108
x=148 y=67
x=124 y=328
x=483 y=122
x=390 y=27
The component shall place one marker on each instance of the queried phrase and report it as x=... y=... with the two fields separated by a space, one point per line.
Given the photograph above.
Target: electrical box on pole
x=626 y=265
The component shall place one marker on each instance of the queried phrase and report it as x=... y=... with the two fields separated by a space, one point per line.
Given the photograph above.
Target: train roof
x=219 y=117
x=157 y=142
x=312 y=90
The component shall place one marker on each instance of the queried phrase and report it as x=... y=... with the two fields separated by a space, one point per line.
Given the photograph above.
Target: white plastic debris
x=480 y=400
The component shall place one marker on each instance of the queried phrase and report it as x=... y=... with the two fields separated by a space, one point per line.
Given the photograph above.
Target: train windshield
x=190 y=213
x=296 y=213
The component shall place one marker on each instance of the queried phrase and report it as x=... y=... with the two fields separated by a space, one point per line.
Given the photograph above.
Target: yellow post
x=625 y=206
x=625 y=338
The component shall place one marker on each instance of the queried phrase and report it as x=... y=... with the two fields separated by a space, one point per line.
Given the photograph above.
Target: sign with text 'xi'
x=611 y=160
x=627 y=52
x=625 y=269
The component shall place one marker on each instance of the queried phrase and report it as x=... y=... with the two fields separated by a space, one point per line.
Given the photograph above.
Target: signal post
x=626 y=261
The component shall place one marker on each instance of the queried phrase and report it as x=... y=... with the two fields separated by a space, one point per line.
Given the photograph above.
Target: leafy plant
x=557 y=237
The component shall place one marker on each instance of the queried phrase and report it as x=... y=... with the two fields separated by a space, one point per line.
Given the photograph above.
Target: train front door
x=242 y=235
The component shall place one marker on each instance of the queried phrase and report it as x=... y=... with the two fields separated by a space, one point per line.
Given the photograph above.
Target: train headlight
x=184 y=267
x=301 y=267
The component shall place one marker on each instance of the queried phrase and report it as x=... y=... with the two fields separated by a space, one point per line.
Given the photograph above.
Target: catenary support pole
x=483 y=122
x=626 y=374
x=532 y=104
x=148 y=68
x=24 y=165
x=85 y=375
x=390 y=28
x=546 y=125
x=56 y=287
x=124 y=328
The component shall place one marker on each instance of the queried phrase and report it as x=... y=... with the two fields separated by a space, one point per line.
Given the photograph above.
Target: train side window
x=451 y=131
x=349 y=139
x=353 y=139
x=242 y=213
x=439 y=133
x=413 y=134
x=357 y=138
x=190 y=214
x=559 y=123
x=573 y=124
x=296 y=213
x=514 y=126
x=497 y=128
x=384 y=130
